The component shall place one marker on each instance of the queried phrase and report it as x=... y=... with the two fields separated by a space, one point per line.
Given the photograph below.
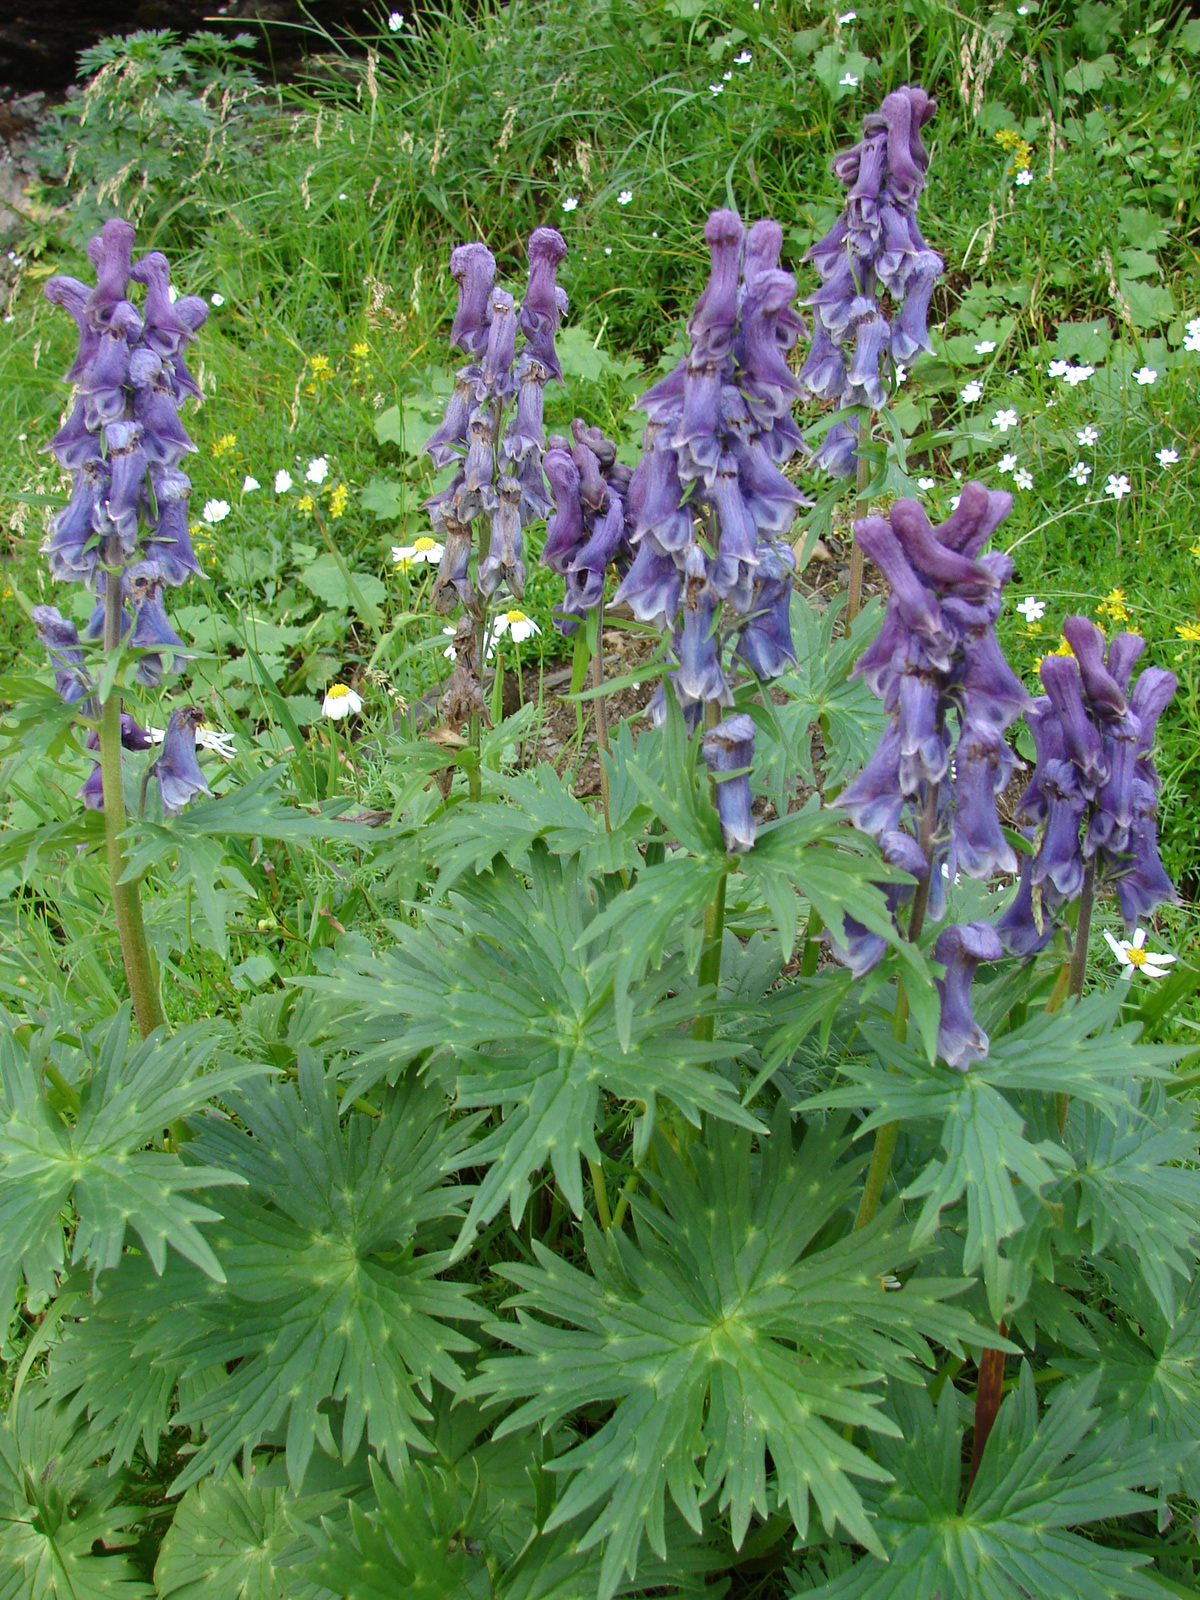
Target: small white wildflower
x=1024 y=178
x=215 y=511
x=1023 y=479
x=249 y=483
x=1078 y=375
x=395 y=21
x=1088 y=435
x=317 y=470
x=985 y=347
x=848 y=81
x=421 y=550
x=1006 y=463
x=1032 y=609
x=1117 y=486
x=1081 y=472
x=571 y=202
x=1145 y=376
x=1136 y=958
x=971 y=393
x=625 y=196
x=1059 y=369
x=1004 y=420
x=1167 y=457
x=283 y=481
x=925 y=484
x=217 y=299
x=340 y=701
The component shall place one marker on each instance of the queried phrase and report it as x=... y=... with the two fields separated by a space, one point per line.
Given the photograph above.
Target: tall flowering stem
x=875 y=245
x=124 y=535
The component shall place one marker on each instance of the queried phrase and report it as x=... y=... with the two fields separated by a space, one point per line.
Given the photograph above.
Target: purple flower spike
x=712 y=325
x=728 y=754
x=1061 y=677
x=473 y=268
x=960 y=948
x=539 y=316
x=177 y=770
x=111 y=253
x=1018 y=931
x=59 y=637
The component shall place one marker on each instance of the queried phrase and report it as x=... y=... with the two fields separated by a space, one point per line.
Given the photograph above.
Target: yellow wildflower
x=224 y=445
x=305 y=504
x=338 y=499
x=1188 y=630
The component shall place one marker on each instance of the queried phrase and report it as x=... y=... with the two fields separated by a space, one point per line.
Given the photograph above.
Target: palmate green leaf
x=230 y=1540
x=99 y=1166
x=332 y=1292
x=1039 y=1478
x=718 y=1338
x=1140 y=1189
x=54 y=1506
x=516 y=983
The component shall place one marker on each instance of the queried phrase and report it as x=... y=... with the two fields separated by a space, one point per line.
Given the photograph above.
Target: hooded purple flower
x=728 y=754
x=177 y=770
x=960 y=948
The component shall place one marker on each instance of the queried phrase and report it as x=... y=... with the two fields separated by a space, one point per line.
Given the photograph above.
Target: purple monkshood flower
x=960 y=948
x=938 y=668
x=728 y=754
x=177 y=770
x=500 y=475
x=1095 y=787
x=127 y=517
x=875 y=245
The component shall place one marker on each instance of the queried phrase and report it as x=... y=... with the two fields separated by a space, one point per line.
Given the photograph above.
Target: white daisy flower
x=217 y=299
x=283 y=481
x=1024 y=178
x=317 y=470
x=1081 y=472
x=625 y=196
x=925 y=484
x=985 y=347
x=215 y=511
x=1032 y=609
x=848 y=81
x=249 y=483
x=340 y=701
x=421 y=550
x=1088 y=435
x=1006 y=463
x=1023 y=479
x=1136 y=958
x=1145 y=376
x=1117 y=486
x=1004 y=420
x=971 y=393
x=516 y=625
x=1167 y=457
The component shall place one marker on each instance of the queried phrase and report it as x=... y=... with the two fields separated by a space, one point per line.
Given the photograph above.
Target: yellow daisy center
x=338 y=691
x=1135 y=957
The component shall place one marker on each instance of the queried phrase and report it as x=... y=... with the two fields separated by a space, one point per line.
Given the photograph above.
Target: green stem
x=886 y=1136
x=854 y=597
x=127 y=903
x=1078 y=968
